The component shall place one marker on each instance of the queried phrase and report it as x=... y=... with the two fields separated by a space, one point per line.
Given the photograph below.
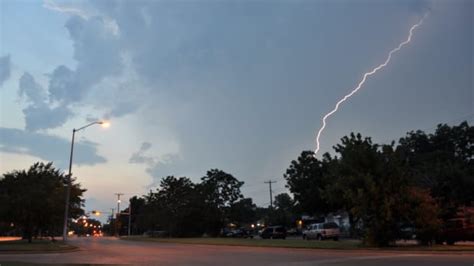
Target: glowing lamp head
x=104 y=124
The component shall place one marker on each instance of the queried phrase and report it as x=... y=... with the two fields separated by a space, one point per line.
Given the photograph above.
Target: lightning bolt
x=364 y=78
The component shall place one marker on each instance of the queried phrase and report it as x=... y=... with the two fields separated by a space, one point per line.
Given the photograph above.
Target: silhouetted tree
x=442 y=162
x=243 y=211
x=33 y=200
x=283 y=213
x=306 y=180
x=219 y=190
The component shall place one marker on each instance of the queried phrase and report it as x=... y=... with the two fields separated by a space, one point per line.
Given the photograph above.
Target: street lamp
x=104 y=124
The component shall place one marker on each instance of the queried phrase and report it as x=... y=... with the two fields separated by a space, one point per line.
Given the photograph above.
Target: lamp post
x=68 y=187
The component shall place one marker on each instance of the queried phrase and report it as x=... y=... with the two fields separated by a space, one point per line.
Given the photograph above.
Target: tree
x=178 y=206
x=243 y=211
x=364 y=179
x=219 y=190
x=305 y=179
x=372 y=187
x=36 y=199
x=424 y=214
x=424 y=178
x=442 y=162
x=183 y=208
x=138 y=215
x=283 y=212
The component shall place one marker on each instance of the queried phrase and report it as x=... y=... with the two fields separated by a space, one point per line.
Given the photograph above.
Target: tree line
x=419 y=182
x=180 y=207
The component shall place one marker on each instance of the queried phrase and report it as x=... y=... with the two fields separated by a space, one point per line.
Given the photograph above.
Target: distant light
x=119 y=201
x=253 y=226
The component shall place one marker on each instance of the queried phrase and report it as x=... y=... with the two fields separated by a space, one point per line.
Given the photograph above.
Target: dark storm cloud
x=165 y=167
x=245 y=83
x=156 y=168
x=5 y=68
x=139 y=157
x=48 y=147
x=121 y=109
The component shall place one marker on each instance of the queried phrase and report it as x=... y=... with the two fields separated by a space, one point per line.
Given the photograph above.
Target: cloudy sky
x=236 y=85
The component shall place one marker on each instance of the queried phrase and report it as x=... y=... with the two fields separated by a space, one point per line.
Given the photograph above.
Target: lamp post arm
x=88 y=125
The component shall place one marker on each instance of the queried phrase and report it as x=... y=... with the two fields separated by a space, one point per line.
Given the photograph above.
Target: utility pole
x=118 y=212
x=269 y=182
x=112 y=219
x=129 y=217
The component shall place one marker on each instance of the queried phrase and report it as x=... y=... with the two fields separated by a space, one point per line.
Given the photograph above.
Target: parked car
x=407 y=232
x=293 y=232
x=321 y=231
x=273 y=232
x=241 y=232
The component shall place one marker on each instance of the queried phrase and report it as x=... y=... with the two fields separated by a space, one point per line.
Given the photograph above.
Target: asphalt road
x=109 y=250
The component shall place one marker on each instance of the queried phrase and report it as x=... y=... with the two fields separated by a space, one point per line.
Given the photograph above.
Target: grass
x=299 y=243
x=37 y=246
x=287 y=243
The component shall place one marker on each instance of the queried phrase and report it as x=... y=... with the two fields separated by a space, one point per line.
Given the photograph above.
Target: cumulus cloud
x=48 y=147
x=97 y=54
x=39 y=114
x=5 y=68
x=30 y=90
x=45 y=117
x=98 y=57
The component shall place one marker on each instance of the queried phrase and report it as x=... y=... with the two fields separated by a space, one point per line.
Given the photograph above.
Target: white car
x=322 y=231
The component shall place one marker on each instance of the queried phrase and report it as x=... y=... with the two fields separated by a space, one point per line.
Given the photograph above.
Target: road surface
x=108 y=250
